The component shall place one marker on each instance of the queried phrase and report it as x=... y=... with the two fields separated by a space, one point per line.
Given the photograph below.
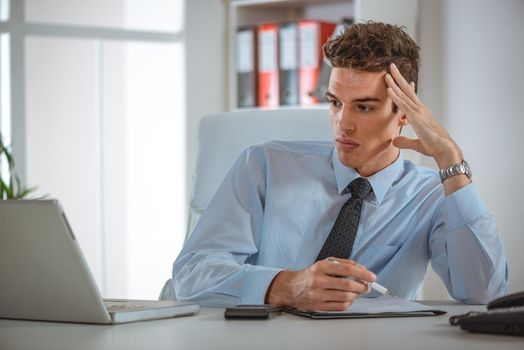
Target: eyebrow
x=361 y=99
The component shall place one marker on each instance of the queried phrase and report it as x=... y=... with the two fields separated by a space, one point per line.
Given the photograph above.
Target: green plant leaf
x=12 y=188
x=3 y=193
x=9 y=192
x=10 y=160
x=15 y=184
x=25 y=192
x=1 y=144
x=4 y=150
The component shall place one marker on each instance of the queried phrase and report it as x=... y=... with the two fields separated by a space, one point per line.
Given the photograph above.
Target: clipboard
x=379 y=307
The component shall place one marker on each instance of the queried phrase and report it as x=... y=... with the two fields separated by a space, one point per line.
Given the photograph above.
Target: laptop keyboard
x=123 y=306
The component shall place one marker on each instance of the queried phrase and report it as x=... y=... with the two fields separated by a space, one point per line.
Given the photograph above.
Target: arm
x=215 y=266
x=466 y=251
x=465 y=246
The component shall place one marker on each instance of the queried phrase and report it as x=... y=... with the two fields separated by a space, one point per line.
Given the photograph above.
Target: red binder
x=268 y=89
x=312 y=35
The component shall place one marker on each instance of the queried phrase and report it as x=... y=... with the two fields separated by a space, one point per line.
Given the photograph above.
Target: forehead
x=347 y=83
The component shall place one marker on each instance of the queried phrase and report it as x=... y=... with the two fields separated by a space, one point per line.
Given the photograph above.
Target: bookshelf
x=254 y=12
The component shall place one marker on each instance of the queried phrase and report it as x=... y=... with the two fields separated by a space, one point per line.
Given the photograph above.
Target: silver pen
x=381 y=289
x=373 y=285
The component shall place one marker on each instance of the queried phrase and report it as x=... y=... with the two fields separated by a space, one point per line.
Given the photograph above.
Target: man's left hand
x=433 y=140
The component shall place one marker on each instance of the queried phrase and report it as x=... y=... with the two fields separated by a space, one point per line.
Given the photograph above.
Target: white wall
x=471 y=79
x=483 y=72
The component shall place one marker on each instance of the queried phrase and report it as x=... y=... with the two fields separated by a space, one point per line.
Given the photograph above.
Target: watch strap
x=461 y=168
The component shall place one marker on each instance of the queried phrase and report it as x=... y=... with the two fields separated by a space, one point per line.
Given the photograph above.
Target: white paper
x=383 y=304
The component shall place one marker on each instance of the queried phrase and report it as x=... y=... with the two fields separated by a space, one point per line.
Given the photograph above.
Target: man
x=292 y=218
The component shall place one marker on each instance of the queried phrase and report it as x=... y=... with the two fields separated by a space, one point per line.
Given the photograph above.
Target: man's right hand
x=320 y=286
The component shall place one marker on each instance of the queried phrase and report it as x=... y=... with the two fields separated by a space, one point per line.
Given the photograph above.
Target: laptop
x=44 y=276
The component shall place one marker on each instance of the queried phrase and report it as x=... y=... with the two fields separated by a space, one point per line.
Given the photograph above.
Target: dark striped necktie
x=339 y=243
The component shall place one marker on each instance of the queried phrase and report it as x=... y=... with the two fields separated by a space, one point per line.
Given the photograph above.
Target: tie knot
x=359 y=188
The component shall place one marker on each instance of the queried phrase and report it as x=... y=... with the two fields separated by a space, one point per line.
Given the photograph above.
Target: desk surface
x=209 y=330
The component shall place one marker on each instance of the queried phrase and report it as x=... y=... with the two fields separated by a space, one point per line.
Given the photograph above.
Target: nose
x=345 y=120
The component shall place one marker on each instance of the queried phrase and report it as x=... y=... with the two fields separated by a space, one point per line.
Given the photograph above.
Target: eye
x=364 y=108
x=334 y=103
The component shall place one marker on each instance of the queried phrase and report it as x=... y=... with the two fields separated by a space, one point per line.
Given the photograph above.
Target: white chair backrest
x=222 y=137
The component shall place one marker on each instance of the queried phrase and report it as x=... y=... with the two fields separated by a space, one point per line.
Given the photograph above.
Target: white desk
x=209 y=330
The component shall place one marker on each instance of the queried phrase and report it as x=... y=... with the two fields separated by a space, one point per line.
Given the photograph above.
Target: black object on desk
x=505 y=315
x=254 y=312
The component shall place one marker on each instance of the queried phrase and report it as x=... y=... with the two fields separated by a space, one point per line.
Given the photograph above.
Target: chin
x=348 y=161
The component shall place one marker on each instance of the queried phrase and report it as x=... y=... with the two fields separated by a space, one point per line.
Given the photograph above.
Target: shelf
x=255 y=12
x=316 y=106
x=282 y=3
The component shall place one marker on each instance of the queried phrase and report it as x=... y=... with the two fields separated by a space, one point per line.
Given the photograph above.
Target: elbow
x=482 y=298
x=179 y=276
x=497 y=288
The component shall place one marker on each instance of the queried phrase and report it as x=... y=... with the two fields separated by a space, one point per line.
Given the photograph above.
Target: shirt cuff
x=462 y=207
x=257 y=283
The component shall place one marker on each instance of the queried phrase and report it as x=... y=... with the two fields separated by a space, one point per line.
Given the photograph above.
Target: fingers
x=407 y=143
x=342 y=261
x=339 y=296
x=335 y=301
x=345 y=285
x=330 y=284
x=398 y=96
x=330 y=300
x=402 y=93
x=346 y=268
x=332 y=306
x=408 y=89
x=332 y=293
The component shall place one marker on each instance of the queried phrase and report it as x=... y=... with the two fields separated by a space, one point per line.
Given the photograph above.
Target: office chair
x=222 y=137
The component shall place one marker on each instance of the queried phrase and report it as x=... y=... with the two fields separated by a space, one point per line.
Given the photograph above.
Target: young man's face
x=363 y=119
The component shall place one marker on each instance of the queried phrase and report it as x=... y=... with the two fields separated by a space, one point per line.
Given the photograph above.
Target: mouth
x=346 y=144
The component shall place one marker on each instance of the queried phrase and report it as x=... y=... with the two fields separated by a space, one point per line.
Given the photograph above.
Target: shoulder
x=420 y=172
x=420 y=188
x=284 y=155
x=296 y=149
x=423 y=178
x=282 y=160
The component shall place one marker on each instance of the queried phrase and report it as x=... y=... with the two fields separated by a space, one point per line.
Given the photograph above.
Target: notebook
x=44 y=276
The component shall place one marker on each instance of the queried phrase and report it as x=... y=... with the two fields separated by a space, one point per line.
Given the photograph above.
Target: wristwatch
x=457 y=169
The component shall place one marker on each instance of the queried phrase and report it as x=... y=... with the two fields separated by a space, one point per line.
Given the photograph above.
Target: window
x=5 y=98
x=4 y=10
x=97 y=120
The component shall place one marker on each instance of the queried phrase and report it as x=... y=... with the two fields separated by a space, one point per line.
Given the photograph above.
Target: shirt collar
x=380 y=182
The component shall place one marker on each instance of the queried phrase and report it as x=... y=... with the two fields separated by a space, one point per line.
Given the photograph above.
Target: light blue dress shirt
x=278 y=204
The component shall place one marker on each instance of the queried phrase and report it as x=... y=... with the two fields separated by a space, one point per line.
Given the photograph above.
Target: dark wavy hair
x=372 y=46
